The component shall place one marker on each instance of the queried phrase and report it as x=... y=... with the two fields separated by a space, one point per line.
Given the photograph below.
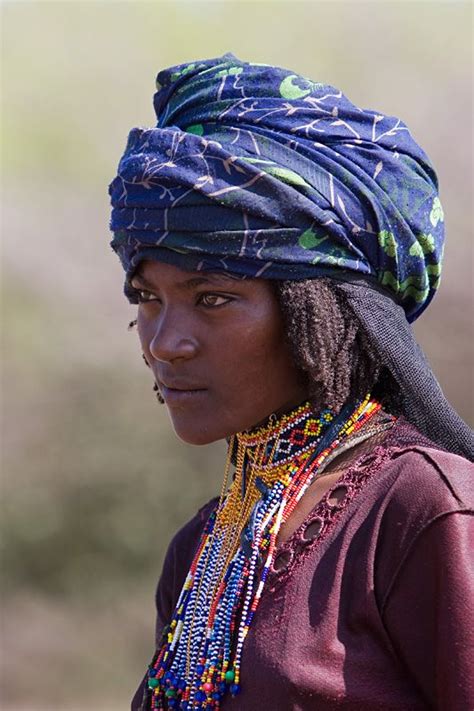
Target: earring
x=156 y=389
x=159 y=396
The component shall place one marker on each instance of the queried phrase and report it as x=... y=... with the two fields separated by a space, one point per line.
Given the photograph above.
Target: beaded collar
x=284 y=437
x=199 y=662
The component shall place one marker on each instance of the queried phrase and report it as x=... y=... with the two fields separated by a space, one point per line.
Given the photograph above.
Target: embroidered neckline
x=201 y=658
x=296 y=547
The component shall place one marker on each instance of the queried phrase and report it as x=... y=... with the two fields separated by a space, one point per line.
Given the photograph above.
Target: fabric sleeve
x=176 y=564
x=164 y=610
x=178 y=559
x=429 y=609
x=165 y=592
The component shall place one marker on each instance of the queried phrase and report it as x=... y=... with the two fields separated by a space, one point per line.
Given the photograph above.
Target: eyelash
x=143 y=300
x=146 y=300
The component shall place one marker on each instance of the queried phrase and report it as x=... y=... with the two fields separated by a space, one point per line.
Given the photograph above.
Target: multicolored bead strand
x=199 y=662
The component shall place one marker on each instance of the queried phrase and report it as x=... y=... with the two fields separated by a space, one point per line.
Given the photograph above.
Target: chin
x=197 y=435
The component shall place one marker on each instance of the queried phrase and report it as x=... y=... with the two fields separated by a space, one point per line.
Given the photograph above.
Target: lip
x=181 y=395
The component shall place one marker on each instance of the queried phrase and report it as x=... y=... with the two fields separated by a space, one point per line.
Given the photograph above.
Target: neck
x=281 y=437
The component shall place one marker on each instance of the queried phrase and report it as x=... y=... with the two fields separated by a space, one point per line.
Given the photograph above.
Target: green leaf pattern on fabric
x=245 y=157
x=416 y=286
x=296 y=87
x=182 y=72
x=327 y=253
x=310 y=240
x=231 y=72
x=288 y=176
x=197 y=129
x=388 y=243
x=436 y=214
x=424 y=245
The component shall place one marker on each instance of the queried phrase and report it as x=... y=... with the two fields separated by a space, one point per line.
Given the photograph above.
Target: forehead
x=153 y=274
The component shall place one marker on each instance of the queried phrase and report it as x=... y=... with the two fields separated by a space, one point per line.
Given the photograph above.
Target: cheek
x=255 y=360
x=264 y=343
x=245 y=360
x=142 y=336
x=248 y=369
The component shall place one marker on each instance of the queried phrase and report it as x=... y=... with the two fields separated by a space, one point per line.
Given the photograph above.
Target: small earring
x=156 y=389
x=132 y=325
x=159 y=396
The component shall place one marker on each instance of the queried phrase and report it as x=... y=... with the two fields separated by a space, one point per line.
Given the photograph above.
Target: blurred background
x=94 y=482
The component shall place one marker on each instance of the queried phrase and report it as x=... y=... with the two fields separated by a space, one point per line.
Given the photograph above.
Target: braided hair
x=329 y=345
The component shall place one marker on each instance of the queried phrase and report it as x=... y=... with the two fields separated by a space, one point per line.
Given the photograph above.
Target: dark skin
x=220 y=337
x=219 y=343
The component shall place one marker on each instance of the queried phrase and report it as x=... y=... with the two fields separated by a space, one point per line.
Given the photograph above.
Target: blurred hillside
x=94 y=480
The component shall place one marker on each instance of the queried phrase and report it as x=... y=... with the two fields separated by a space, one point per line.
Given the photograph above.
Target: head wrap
x=256 y=170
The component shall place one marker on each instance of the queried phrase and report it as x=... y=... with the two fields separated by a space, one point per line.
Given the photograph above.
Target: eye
x=145 y=296
x=213 y=300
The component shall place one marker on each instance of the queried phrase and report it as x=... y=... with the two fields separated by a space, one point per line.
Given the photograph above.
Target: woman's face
x=217 y=350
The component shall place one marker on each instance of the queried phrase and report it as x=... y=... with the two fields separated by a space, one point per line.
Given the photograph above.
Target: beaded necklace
x=199 y=662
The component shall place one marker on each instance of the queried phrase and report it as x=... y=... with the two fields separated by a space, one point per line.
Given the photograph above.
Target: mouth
x=180 y=395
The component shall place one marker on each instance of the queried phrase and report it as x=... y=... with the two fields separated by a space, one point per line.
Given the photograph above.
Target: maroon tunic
x=371 y=605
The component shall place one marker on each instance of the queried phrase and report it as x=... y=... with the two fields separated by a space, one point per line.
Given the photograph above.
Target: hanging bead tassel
x=200 y=660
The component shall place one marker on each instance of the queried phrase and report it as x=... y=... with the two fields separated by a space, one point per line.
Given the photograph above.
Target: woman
x=278 y=241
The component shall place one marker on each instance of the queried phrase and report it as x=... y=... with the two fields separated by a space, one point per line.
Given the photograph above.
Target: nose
x=169 y=338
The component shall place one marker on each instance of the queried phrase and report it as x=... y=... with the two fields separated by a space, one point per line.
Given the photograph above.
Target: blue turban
x=256 y=170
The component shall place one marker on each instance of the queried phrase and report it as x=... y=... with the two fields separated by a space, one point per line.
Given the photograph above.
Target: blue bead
x=200 y=696
x=200 y=669
x=182 y=684
x=234 y=689
x=173 y=703
x=152 y=672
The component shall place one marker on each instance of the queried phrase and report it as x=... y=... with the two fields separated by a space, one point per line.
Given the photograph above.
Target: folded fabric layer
x=257 y=170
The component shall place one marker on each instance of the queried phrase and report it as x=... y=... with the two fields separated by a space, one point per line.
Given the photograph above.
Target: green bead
x=153 y=683
x=170 y=693
x=229 y=676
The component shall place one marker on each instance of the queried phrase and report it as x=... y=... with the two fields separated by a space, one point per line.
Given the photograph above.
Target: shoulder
x=421 y=477
x=178 y=559
x=187 y=537
x=422 y=485
x=422 y=493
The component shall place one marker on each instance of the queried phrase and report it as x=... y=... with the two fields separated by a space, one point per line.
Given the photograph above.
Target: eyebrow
x=190 y=283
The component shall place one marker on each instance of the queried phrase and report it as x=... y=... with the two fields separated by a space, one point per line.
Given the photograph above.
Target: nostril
x=168 y=346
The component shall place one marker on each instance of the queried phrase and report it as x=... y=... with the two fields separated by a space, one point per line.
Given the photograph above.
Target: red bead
x=207 y=686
